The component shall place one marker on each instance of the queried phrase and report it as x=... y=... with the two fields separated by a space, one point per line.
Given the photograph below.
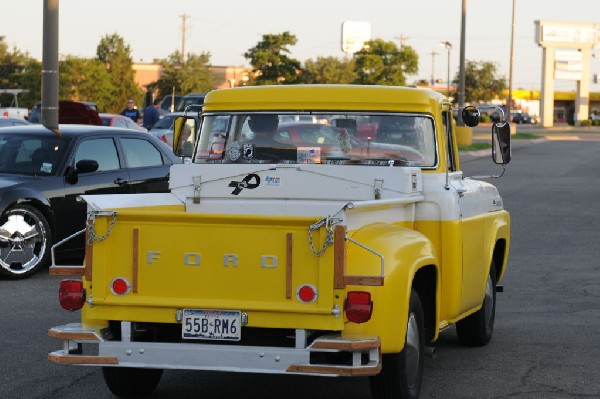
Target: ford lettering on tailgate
x=222 y=325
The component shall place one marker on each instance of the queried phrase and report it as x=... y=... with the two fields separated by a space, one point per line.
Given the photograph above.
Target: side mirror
x=501 y=143
x=86 y=166
x=184 y=135
x=82 y=166
x=470 y=116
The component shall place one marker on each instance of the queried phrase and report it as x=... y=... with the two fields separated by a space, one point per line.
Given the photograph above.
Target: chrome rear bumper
x=362 y=355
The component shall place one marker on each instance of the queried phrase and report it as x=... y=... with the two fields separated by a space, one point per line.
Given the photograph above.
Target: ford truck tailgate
x=178 y=260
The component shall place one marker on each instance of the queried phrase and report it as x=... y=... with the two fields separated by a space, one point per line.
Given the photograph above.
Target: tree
x=30 y=78
x=331 y=70
x=85 y=79
x=382 y=63
x=115 y=55
x=481 y=82
x=270 y=62
x=15 y=73
x=192 y=76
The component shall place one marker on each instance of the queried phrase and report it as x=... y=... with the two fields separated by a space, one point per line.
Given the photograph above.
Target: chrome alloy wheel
x=23 y=241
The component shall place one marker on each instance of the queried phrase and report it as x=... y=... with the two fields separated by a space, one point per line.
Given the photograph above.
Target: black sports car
x=42 y=174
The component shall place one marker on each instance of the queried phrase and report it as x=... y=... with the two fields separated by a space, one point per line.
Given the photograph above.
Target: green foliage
x=16 y=70
x=84 y=79
x=329 y=70
x=481 y=82
x=382 y=63
x=192 y=76
x=115 y=55
x=586 y=122
x=270 y=62
x=30 y=78
x=474 y=147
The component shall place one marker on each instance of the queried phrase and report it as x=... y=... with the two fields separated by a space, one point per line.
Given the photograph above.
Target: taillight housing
x=71 y=294
x=358 y=306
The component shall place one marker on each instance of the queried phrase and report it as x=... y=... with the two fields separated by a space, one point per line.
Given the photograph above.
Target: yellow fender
x=405 y=251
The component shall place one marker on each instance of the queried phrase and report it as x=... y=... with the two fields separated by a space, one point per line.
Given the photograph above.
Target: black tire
x=402 y=373
x=129 y=382
x=477 y=328
x=25 y=241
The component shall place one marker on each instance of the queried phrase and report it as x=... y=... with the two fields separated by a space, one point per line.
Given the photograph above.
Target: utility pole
x=184 y=18
x=433 y=54
x=512 y=56
x=50 y=66
x=401 y=39
x=461 y=69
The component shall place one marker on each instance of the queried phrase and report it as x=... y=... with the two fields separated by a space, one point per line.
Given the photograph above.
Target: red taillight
x=163 y=138
x=306 y=293
x=358 y=306
x=120 y=286
x=71 y=294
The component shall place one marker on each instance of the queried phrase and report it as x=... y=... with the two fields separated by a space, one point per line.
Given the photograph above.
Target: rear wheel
x=128 y=382
x=402 y=373
x=477 y=329
x=25 y=240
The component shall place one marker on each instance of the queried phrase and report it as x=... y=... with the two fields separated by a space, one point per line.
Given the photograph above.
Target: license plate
x=219 y=325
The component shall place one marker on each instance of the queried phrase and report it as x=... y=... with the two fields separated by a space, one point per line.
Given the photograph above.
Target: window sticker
x=46 y=167
x=248 y=151
x=309 y=154
x=234 y=152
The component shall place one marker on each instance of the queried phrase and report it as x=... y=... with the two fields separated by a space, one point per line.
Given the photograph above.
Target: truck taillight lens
x=358 y=306
x=71 y=294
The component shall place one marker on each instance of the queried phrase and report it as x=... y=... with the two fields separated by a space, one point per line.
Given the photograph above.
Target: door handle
x=120 y=181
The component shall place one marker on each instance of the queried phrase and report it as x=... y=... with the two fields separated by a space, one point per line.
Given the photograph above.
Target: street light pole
x=461 y=70
x=512 y=55
x=448 y=47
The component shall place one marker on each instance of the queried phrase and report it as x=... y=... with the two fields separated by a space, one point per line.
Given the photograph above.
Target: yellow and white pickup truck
x=316 y=230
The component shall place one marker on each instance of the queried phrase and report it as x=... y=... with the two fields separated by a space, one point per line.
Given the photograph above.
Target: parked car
x=116 y=120
x=190 y=99
x=42 y=174
x=163 y=129
x=330 y=140
x=13 y=122
x=520 y=117
x=69 y=112
x=168 y=101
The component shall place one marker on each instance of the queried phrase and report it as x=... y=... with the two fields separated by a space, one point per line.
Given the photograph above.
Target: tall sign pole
x=461 y=70
x=50 y=66
x=566 y=55
x=510 y=69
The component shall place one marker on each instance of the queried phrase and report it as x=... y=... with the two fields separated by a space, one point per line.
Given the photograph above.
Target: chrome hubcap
x=489 y=301
x=412 y=350
x=22 y=242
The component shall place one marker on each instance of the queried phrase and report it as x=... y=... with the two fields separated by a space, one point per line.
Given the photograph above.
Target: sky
x=227 y=29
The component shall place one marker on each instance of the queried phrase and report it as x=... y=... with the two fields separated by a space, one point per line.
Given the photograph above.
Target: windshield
x=166 y=122
x=342 y=138
x=31 y=155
